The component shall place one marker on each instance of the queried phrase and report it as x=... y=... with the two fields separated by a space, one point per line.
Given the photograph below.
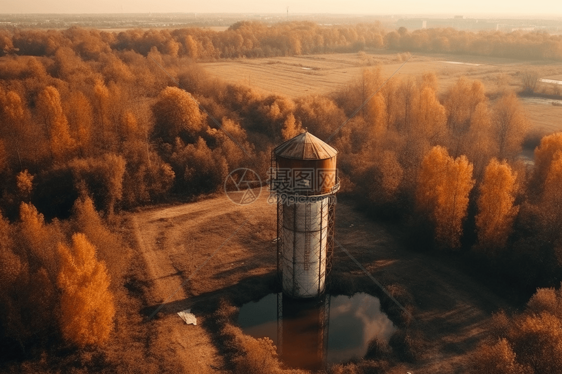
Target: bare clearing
x=452 y=309
x=322 y=74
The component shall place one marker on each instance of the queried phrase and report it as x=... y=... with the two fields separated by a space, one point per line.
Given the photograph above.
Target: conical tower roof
x=305 y=146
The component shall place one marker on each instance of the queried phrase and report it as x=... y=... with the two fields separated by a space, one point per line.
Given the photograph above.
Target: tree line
x=254 y=39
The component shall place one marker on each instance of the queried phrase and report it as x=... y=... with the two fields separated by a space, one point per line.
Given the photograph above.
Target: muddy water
x=311 y=334
x=541 y=100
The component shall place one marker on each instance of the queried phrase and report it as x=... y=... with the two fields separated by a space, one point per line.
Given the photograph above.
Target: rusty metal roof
x=305 y=146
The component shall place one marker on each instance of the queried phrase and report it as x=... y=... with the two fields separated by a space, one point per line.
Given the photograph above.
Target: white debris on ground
x=188 y=317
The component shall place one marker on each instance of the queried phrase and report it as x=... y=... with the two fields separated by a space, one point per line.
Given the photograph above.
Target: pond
x=313 y=333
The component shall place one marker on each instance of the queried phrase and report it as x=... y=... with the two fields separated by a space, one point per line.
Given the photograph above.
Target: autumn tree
x=509 y=125
x=50 y=109
x=191 y=47
x=544 y=156
x=80 y=116
x=385 y=179
x=443 y=187
x=429 y=80
x=551 y=202
x=24 y=182
x=87 y=306
x=102 y=177
x=14 y=127
x=110 y=246
x=37 y=240
x=429 y=117
x=378 y=120
x=497 y=358
x=461 y=101
x=26 y=256
x=291 y=127
x=101 y=105
x=478 y=143
x=197 y=167
x=319 y=114
x=527 y=343
x=390 y=94
x=232 y=141
x=495 y=205
x=408 y=92
x=176 y=114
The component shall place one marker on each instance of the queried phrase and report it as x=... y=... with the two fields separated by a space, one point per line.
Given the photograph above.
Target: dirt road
x=235 y=245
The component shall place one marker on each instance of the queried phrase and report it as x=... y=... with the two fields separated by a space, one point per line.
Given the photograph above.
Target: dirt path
x=189 y=345
x=174 y=243
x=452 y=309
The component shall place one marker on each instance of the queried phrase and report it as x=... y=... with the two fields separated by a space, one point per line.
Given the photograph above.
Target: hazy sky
x=464 y=7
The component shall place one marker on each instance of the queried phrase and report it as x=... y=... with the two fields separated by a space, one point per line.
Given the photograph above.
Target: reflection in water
x=315 y=332
x=354 y=321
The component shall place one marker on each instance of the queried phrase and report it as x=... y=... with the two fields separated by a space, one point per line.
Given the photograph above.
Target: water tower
x=304 y=180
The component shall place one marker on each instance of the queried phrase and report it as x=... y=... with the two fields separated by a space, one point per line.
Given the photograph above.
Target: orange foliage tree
x=80 y=115
x=495 y=205
x=14 y=122
x=478 y=143
x=50 y=108
x=87 y=307
x=443 y=187
x=544 y=155
x=177 y=114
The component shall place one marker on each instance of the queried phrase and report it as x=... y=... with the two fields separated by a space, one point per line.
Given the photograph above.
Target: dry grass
x=322 y=74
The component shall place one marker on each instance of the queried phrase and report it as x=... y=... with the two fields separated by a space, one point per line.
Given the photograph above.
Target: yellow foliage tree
x=14 y=127
x=429 y=117
x=87 y=307
x=495 y=205
x=50 y=108
x=443 y=188
x=544 y=155
x=80 y=115
x=101 y=95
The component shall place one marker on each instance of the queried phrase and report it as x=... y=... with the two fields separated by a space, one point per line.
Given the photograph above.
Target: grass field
x=321 y=74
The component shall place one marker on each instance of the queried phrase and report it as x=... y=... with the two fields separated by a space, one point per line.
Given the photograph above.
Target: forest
x=256 y=39
x=90 y=125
